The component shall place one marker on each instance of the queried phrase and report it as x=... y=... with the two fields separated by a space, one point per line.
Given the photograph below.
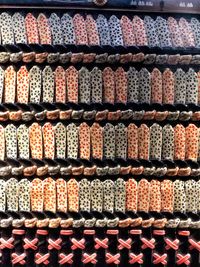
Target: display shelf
x=109 y=182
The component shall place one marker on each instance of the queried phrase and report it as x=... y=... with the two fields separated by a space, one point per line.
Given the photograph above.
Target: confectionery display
x=84 y=29
x=99 y=85
x=102 y=196
x=100 y=142
x=99 y=137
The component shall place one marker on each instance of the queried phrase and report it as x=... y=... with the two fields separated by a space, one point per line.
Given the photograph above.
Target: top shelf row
x=99 y=30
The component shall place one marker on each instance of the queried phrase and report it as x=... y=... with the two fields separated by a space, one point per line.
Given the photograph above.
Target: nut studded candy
x=100 y=2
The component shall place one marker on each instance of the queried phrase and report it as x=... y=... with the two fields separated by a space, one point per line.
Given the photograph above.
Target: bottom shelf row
x=40 y=239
